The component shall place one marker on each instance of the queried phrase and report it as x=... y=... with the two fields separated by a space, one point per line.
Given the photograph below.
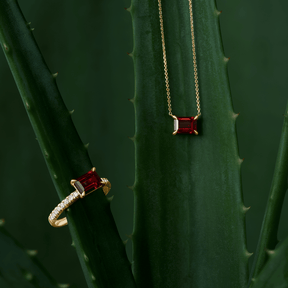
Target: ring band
x=84 y=185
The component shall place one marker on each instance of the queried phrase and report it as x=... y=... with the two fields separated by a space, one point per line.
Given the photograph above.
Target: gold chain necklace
x=182 y=125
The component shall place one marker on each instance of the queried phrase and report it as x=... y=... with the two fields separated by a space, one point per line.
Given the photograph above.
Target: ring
x=84 y=185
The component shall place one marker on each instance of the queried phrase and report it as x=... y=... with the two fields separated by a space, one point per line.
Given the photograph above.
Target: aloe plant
x=19 y=267
x=189 y=228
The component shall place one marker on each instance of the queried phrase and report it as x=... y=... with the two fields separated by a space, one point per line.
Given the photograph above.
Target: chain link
x=165 y=60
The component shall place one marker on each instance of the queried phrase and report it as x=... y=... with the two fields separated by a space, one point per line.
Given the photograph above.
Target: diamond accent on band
x=64 y=204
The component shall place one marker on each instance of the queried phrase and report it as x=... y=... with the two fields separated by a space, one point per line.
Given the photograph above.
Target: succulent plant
x=189 y=226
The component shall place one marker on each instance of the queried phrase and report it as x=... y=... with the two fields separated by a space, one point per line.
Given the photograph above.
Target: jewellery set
x=90 y=181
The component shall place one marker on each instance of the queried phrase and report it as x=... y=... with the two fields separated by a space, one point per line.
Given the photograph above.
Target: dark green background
x=87 y=43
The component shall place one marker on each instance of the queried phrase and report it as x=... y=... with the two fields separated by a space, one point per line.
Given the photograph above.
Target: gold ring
x=84 y=185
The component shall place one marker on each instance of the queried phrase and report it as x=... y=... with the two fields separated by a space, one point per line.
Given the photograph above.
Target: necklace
x=182 y=125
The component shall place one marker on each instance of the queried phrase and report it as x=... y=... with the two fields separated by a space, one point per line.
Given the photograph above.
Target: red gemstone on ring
x=185 y=125
x=90 y=181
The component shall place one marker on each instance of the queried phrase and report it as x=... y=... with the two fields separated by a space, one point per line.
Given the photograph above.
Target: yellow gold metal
x=175 y=132
x=196 y=117
x=69 y=200
x=196 y=132
x=93 y=169
x=166 y=65
x=72 y=182
x=106 y=185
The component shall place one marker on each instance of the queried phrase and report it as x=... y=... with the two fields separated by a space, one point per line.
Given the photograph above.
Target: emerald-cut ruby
x=89 y=181
x=185 y=125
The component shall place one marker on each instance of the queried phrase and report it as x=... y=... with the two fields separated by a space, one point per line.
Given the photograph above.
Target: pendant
x=185 y=125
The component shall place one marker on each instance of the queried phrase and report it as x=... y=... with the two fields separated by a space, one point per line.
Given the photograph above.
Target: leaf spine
x=28 y=276
x=5 y=47
x=235 y=115
x=270 y=252
x=241 y=160
x=226 y=59
x=218 y=13
x=27 y=105
x=132 y=138
x=128 y=9
x=131 y=187
x=248 y=254
x=246 y=209
x=63 y=285
x=86 y=257
x=32 y=252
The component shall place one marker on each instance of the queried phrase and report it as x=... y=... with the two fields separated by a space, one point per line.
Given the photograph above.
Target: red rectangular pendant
x=185 y=125
x=90 y=181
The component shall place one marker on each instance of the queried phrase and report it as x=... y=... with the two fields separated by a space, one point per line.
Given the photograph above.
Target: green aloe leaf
x=275 y=272
x=100 y=249
x=189 y=214
x=19 y=267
